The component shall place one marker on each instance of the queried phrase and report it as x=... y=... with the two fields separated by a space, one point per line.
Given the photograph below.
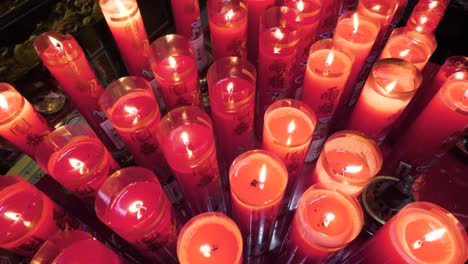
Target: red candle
x=426 y=15
x=388 y=90
x=20 y=124
x=175 y=70
x=74 y=156
x=420 y=233
x=310 y=12
x=228 y=28
x=74 y=247
x=347 y=163
x=231 y=84
x=210 y=238
x=328 y=68
x=124 y=20
x=29 y=217
x=415 y=47
x=255 y=9
x=65 y=59
x=356 y=33
x=288 y=128
x=132 y=108
x=278 y=43
x=188 y=143
x=258 y=180
x=439 y=126
x=133 y=204
x=186 y=14
x=325 y=222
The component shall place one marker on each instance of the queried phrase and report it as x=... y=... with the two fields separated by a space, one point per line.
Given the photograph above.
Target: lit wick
x=3 y=103
x=431 y=236
x=78 y=165
x=15 y=217
x=404 y=53
x=185 y=140
x=173 y=65
x=355 y=23
x=328 y=63
x=132 y=111
x=291 y=130
x=229 y=16
x=327 y=219
x=351 y=169
x=57 y=44
x=206 y=250
x=230 y=89
x=389 y=87
x=279 y=35
x=136 y=207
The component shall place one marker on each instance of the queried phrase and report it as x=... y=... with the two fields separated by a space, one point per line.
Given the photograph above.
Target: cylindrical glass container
x=426 y=15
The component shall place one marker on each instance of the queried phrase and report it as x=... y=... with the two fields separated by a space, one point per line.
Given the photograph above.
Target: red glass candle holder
x=175 y=69
x=133 y=204
x=437 y=129
x=186 y=14
x=420 y=233
x=131 y=106
x=413 y=46
x=231 y=84
x=74 y=247
x=210 y=238
x=64 y=58
x=126 y=24
x=74 y=156
x=328 y=69
x=20 y=123
x=188 y=143
x=288 y=129
x=228 y=28
x=29 y=217
x=348 y=162
x=426 y=15
x=258 y=181
x=388 y=90
x=278 y=43
x=325 y=222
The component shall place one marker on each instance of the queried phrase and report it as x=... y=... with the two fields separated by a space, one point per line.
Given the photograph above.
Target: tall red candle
x=328 y=68
x=20 y=124
x=439 y=126
x=426 y=15
x=188 y=143
x=74 y=247
x=421 y=232
x=175 y=70
x=357 y=33
x=126 y=24
x=325 y=222
x=65 y=59
x=288 y=128
x=231 y=85
x=210 y=238
x=279 y=37
x=132 y=108
x=228 y=28
x=415 y=47
x=255 y=9
x=74 y=156
x=388 y=90
x=347 y=163
x=29 y=217
x=258 y=180
x=133 y=204
x=187 y=21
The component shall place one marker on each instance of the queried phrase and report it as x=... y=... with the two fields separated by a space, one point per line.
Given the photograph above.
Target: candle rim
x=241 y=9
x=447 y=98
x=349 y=16
x=437 y=214
x=389 y=9
x=114 y=16
x=170 y=45
x=5 y=87
x=308 y=17
x=69 y=52
x=200 y=220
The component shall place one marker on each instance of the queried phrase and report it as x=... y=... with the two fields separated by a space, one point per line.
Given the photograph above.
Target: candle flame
x=291 y=129
x=355 y=23
x=376 y=7
x=431 y=236
x=56 y=43
x=433 y=4
x=329 y=60
x=390 y=86
x=458 y=75
x=121 y=7
x=206 y=250
x=132 y=111
x=300 y=6
x=137 y=207
x=279 y=34
x=276 y=50
x=3 y=103
x=229 y=15
x=185 y=140
x=230 y=87
x=404 y=53
x=423 y=20
x=262 y=177
x=419 y=29
x=328 y=218
x=172 y=62
x=352 y=169
x=78 y=165
x=15 y=217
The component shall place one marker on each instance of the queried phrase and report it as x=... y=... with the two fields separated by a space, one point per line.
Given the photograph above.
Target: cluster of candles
x=280 y=98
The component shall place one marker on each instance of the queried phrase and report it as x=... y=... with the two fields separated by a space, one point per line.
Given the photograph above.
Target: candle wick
x=254 y=183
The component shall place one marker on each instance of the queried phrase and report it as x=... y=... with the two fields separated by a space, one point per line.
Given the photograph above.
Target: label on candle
x=172 y=190
x=319 y=137
x=314 y=150
x=198 y=45
x=112 y=134
x=157 y=92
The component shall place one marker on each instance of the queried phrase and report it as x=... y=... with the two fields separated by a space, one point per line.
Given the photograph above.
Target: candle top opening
x=309 y=9
x=455 y=93
x=119 y=10
x=329 y=63
x=232 y=92
x=357 y=29
x=229 y=15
